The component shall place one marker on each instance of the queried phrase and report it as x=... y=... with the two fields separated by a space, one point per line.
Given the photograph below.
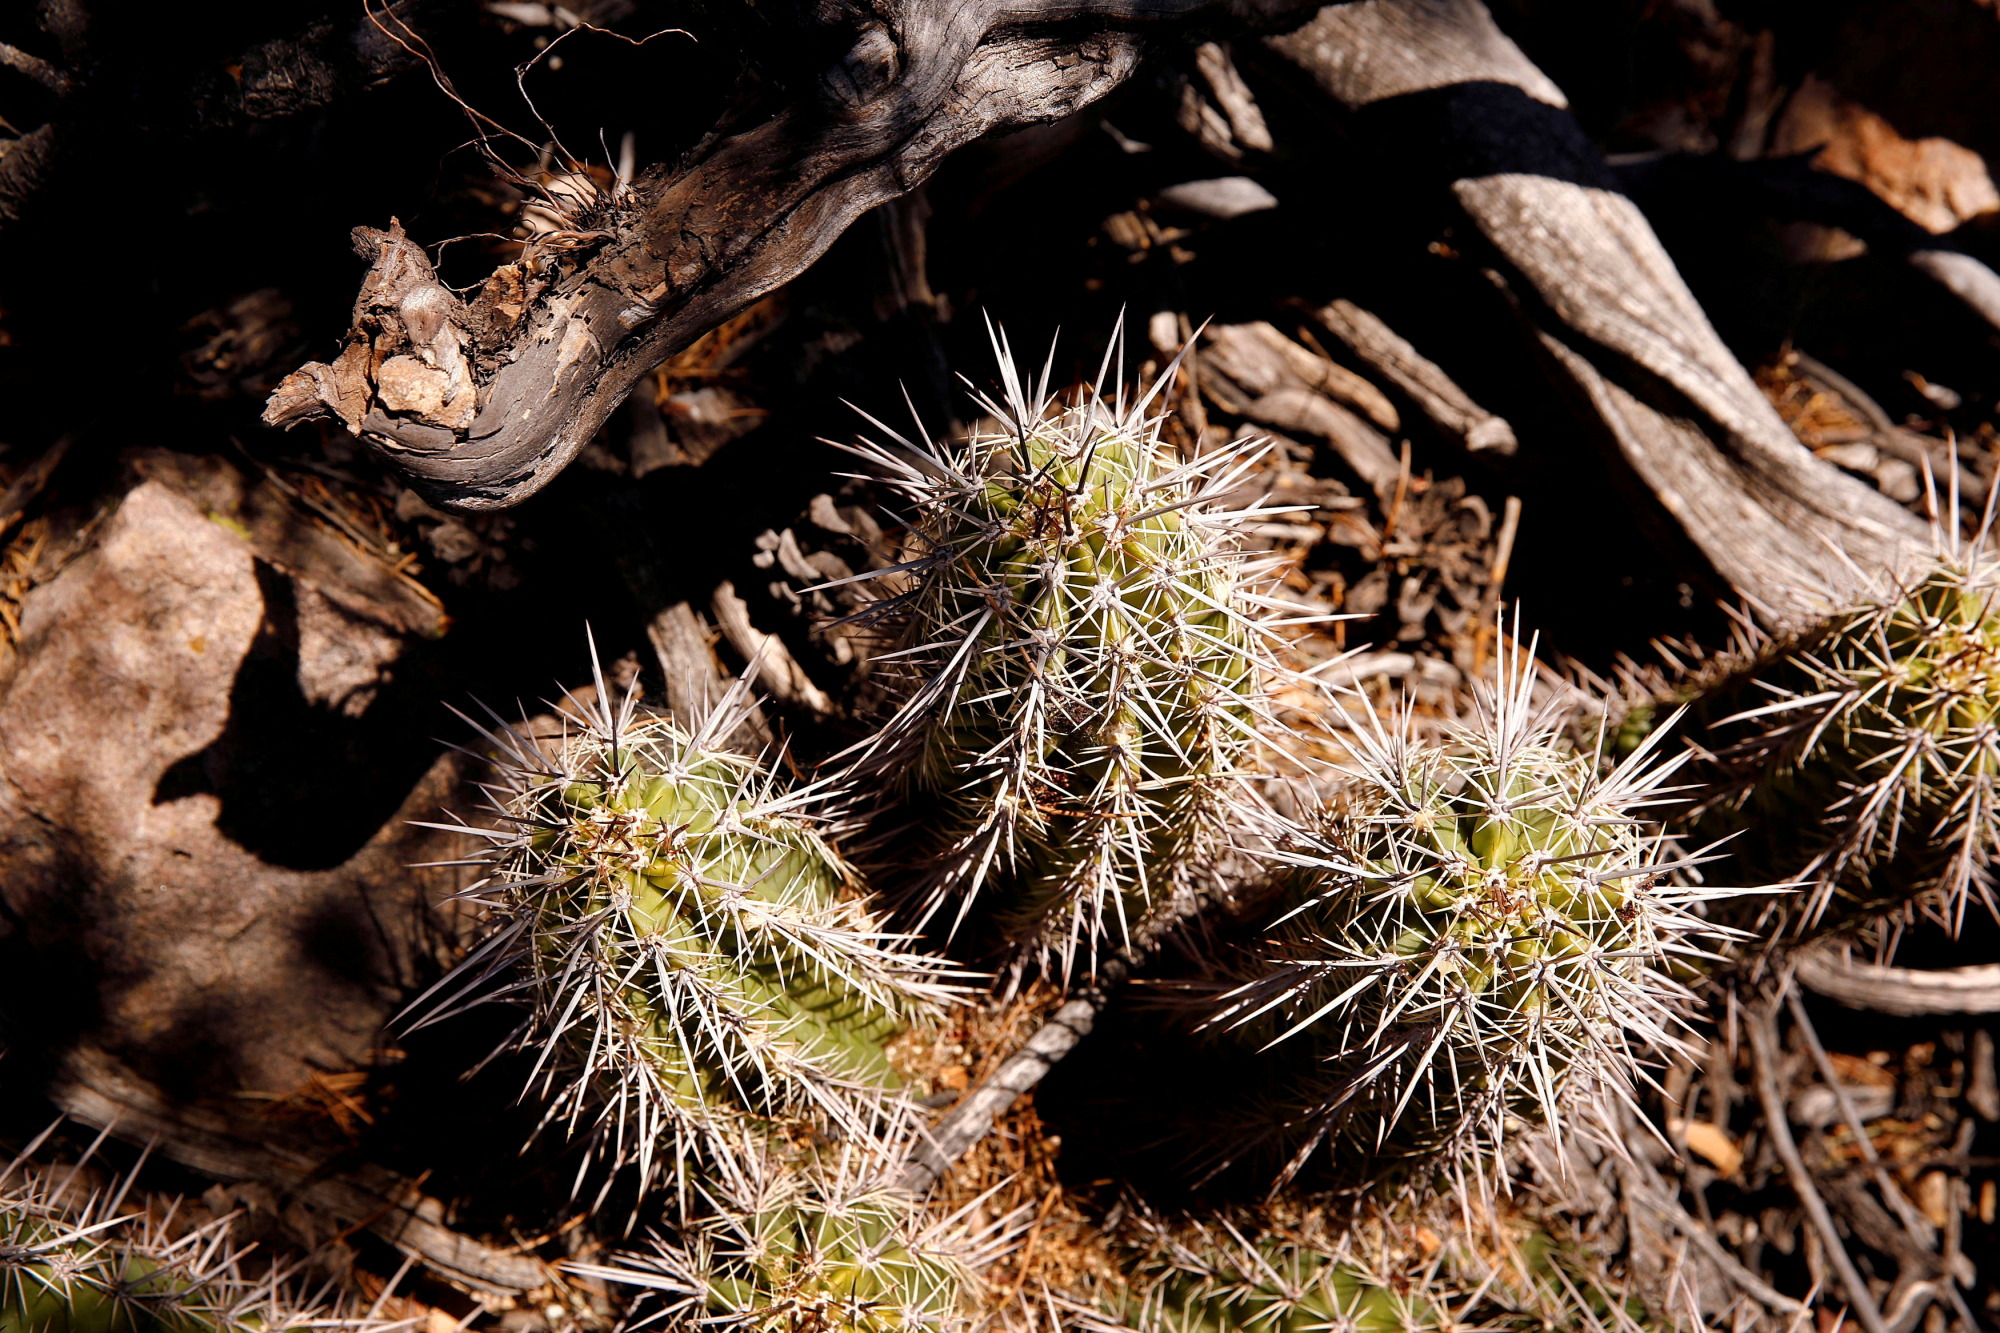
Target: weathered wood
x=1902 y=991
x=555 y=343
x=1785 y=529
x=696 y=682
x=1420 y=379
x=777 y=670
x=972 y=1117
x=1257 y=372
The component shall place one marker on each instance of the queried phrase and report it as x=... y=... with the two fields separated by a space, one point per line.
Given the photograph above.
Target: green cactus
x=1086 y=664
x=1859 y=759
x=1248 y=1271
x=1212 y=1279
x=810 y=1248
x=91 y=1266
x=1486 y=924
x=699 y=960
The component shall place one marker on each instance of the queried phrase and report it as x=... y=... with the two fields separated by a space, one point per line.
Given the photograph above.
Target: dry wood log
x=1615 y=315
x=1254 y=371
x=1420 y=379
x=481 y=405
x=1902 y=991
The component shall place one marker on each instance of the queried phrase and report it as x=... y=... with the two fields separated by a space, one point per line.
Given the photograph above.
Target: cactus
x=1213 y=1278
x=1282 y=1269
x=818 y=1246
x=697 y=957
x=1085 y=662
x=1483 y=926
x=70 y=1266
x=1859 y=759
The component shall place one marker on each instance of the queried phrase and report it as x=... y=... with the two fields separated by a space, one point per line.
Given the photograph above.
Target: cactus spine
x=1863 y=759
x=1286 y=1270
x=1482 y=926
x=824 y=1246
x=69 y=1266
x=1086 y=661
x=1204 y=1278
x=698 y=958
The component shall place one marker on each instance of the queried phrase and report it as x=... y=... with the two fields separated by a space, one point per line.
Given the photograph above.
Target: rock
x=210 y=744
x=1934 y=182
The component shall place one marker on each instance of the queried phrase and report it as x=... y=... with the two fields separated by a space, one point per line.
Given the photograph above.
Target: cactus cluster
x=1484 y=924
x=827 y=1247
x=1859 y=760
x=1086 y=656
x=697 y=957
x=98 y=1261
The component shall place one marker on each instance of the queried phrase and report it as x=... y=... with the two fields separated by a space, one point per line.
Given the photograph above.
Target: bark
x=1419 y=379
x=1902 y=991
x=1787 y=531
x=1257 y=372
x=481 y=405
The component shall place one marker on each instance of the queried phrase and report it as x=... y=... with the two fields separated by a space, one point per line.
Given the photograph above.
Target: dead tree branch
x=481 y=405
x=1612 y=312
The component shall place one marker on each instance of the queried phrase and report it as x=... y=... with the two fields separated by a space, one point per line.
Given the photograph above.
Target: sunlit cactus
x=696 y=956
x=1485 y=923
x=1087 y=657
x=98 y=1261
x=1860 y=759
x=819 y=1247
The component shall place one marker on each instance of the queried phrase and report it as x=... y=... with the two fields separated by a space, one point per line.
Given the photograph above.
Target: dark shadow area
x=301 y=785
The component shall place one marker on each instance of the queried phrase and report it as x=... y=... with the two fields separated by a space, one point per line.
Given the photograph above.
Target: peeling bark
x=555 y=343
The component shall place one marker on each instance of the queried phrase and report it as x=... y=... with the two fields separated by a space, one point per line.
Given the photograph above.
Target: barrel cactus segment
x=1085 y=656
x=1860 y=758
x=1486 y=924
x=696 y=956
x=813 y=1245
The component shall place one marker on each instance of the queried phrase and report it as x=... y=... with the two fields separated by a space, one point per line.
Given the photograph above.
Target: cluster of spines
x=74 y=1261
x=1486 y=925
x=1231 y=1274
x=1086 y=655
x=827 y=1245
x=1291 y=1270
x=697 y=958
x=1859 y=759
